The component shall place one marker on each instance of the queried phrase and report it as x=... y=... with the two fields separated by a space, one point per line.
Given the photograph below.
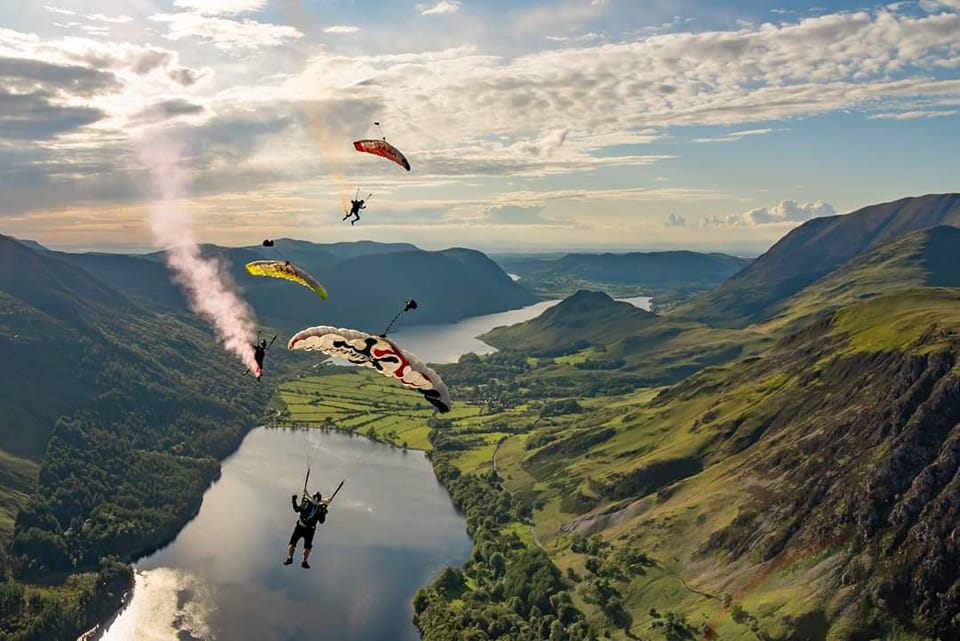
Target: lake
x=390 y=531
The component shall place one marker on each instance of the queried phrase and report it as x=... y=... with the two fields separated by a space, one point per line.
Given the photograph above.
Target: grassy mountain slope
x=815 y=483
x=662 y=273
x=922 y=258
x=813 y=250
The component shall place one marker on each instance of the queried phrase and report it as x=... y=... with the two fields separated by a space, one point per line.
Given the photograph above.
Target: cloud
x=168 y=109
x=584 y=37
x=444 y=6
x=60 y=10
x=34 y=116
x=225 y=34
x=939 y=5
x=24 y=74
x=220 y=7
x=737 y=135
x=342 y=28
x=516 y=215
x=913 y=115
x=139 y=59
x=786 y=211
x=674 y=220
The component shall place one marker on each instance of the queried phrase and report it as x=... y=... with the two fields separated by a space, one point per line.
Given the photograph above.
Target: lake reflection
x=390 y=530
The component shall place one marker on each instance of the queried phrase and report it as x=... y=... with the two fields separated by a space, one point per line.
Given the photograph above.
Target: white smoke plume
x=205 y=280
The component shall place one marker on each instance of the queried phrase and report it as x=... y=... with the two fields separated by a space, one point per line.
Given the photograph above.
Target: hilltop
x=810 y=252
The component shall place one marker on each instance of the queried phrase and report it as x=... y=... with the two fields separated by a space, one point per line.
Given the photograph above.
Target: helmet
x=263 y=343
x=317 y=496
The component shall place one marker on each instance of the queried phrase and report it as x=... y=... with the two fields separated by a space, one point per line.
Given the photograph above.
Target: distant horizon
x=142 y=250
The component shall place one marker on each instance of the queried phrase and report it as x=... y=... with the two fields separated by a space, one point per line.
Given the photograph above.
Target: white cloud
x=938 y=5
x=226 y=34
x=444 y=6
x=913 y=115
x=220 y=7
x=59 y=10
x=674 y=220
x=585 y=37
x=786 y=211
x=99 y=17
x=342 y=29
x=737 y=135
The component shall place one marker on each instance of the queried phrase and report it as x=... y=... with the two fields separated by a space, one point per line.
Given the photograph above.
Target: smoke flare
x=205 y=281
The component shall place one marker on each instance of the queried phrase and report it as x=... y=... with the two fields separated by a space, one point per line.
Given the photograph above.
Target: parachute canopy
x=382 y=148
x=287 y=271
x=378 y=353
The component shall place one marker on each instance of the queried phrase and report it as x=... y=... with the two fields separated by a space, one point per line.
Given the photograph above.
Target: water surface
x=390 y=530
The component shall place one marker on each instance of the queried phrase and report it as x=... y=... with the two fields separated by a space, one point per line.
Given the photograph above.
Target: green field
x=359 y=400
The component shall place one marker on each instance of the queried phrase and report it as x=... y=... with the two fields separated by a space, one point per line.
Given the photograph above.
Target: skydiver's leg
x=292 y=546
x=307 y=547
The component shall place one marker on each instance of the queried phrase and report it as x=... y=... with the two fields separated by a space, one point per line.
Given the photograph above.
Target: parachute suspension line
x=307 y=479
x=407 y=306
x=380 y=129
x=273 y=246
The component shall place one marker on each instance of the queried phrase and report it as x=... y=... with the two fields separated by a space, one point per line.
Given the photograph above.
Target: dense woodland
x=137 y=405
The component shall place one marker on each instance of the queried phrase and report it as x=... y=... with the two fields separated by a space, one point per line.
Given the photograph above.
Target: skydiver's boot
x=305 y=565
x=288 y=560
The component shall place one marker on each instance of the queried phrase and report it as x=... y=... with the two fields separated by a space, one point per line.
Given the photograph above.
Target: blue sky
x=544 y=125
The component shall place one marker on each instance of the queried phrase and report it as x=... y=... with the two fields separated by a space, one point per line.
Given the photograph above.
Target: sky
x=530 y=125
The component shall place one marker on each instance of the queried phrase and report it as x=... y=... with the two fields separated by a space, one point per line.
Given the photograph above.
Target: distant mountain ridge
x=813 y=250
x=629 y=273
x=367 y=282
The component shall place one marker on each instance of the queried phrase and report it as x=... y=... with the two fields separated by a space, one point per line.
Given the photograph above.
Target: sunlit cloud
x=786 y=211
x=444 y=6
x=342 y=28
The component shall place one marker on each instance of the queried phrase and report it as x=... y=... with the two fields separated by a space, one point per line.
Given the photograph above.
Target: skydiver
x=259 y=351
x=355 y=207
x=312 y=510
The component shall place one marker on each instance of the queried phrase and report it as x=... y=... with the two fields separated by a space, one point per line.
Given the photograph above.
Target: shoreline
x=94 y=633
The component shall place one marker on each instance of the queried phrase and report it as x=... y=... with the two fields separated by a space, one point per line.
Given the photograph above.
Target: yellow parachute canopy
x=287 y=271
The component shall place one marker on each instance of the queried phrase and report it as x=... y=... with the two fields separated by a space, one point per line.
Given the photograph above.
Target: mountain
x=661 y=273
x=606 y=346
x=586 y=318
x=367 y=283
x=813 y=250
x=917 y=259
x=115 y=414
x=809 y=492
